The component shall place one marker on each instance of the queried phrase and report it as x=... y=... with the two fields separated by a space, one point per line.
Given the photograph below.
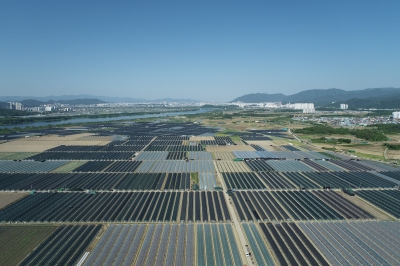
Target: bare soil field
x=211 y=148
x=239 y=142
x=40 y=144
x=228 y=156
x=200 y=138
x=266 y=144
x=94 y=138
x=230 y=166
x=391 y=154
x=7 y=198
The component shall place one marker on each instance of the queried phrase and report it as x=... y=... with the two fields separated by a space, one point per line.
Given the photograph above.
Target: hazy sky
x=204 y=50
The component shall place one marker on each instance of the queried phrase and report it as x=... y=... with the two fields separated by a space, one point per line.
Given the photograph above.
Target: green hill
x=32 y=103
x=389 y=102
x=319 y=97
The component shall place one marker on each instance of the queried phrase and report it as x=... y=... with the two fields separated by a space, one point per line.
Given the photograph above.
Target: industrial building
x=344 y=106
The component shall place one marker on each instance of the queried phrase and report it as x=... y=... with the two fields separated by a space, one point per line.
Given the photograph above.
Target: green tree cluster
x=392 y=146
x=388 y=128
x=367 y=134
x=331 y=140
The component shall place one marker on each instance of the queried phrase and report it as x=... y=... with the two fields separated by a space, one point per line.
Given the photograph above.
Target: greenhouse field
x=207 y=181
x=102 y=156
x=275 y=180
x=118 y=207
x=295 y=205
x=242 y=180
x=29 y=166
x=356 y=243
x=169 y=166
x=387 y=200
x=290 y=246
x=64 y=246
x=165 y=244
x=257 y=245
x=351 y=165
x=168 y=193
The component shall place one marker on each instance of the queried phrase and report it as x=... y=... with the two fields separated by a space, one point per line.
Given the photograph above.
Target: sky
x=203 y=50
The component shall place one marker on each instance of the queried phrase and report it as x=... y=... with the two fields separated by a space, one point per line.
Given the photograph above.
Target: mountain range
x=380 y=98
x=326 y=97
x=86 y=96
x=391 y=101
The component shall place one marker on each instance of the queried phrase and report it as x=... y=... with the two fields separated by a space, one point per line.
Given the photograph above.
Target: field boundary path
x=235 y=220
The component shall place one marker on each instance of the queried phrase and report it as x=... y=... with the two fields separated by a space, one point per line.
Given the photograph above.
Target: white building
x=270 y=105
x=309 y=111
x=16 y=106
x=38 y=109
x=396 y=115
x=299 y=106
x=344 y=106
x=308 y=108
x=49 y=108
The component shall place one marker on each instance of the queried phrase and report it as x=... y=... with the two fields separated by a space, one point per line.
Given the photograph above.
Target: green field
x=330 y=155
x=16 y=155
x=69 y=167
x=16 y=242
x=370 y=156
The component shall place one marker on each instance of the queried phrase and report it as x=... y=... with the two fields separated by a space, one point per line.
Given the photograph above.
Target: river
x=104 y=119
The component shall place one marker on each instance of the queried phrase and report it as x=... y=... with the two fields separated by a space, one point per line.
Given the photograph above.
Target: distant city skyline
x=205 y=51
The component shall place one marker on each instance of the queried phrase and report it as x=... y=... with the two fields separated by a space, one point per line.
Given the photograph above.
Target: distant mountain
x=388 y=102
x=318 y=96
x=170 y=100
x=260 y=97
x=32 y=102
x=4 y=105
x=86 y=96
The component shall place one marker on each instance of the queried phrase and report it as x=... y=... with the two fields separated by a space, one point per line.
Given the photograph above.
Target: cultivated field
x=16 y=155
x=18 y=241
x=266 y=144
x=229 y=148
x=8 y=198
x=230 y=166
x=69 y=167
x=40 y=144
x=227 y=156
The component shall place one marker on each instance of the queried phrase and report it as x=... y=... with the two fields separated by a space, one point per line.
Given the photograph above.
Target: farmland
x=158 y=193
x=64 y=246
x=8 y=198
x=18 y=241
